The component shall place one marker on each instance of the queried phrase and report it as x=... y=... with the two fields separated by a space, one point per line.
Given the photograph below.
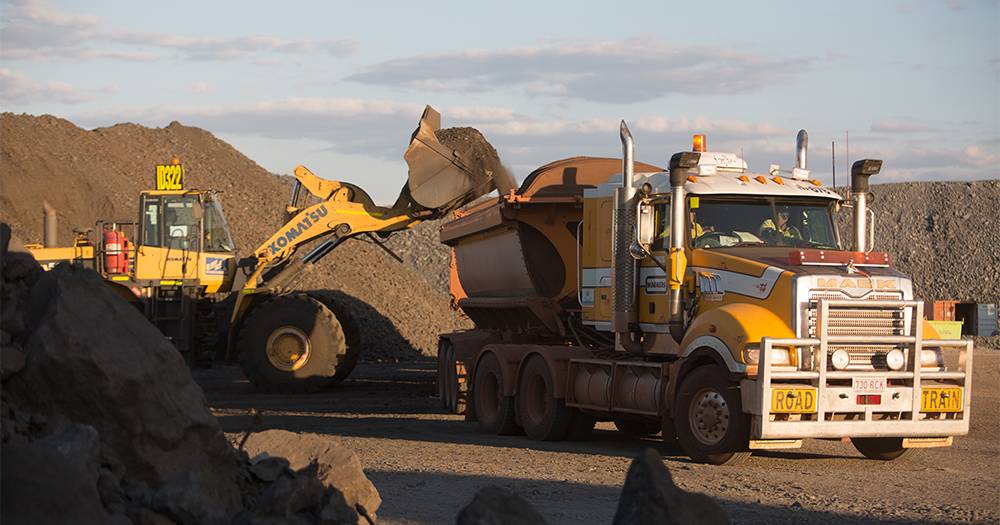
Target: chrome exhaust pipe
x=681 y=165
x=801 y=145
x=860 y=172
x=49 y=226
x=623 y=290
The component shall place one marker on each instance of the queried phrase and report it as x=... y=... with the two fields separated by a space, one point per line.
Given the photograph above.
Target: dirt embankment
x=98 y=174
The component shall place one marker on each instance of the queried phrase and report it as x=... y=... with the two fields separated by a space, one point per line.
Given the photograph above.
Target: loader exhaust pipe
x=623 y=290
x=49 y=226
x=860 y=172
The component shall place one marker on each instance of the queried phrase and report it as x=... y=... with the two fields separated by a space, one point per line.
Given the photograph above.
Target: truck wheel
x=710 y=423
x=494 y=410
x=452 y=389
x=883 y=449
x=543 y=417
x=636 y=428
x=291 y=344
x=352 y=333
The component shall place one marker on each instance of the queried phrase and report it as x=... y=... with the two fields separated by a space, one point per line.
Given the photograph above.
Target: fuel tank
x=514 y=262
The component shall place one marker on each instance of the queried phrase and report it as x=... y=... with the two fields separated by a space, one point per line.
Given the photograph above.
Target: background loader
x=184 y=273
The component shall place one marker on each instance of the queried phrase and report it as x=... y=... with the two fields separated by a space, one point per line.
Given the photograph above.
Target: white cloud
x=35 y=30
x=632 y=70
x=17 y=87
x=900 y=126
x=980 y=156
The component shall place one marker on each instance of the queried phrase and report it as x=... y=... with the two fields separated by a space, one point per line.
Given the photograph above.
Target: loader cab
x=183 y=235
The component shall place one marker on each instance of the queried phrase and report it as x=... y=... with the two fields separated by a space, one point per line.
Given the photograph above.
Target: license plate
x=941 y=399
x=793 y=400
x=868 y=385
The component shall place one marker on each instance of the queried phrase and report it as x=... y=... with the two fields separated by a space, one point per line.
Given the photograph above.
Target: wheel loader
x=184 y=274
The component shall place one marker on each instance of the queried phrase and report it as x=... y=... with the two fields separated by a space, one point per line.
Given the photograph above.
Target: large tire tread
x=501 y=419
x=557 y=418
x=322 y=365
x=352 y=334
x=733 y=447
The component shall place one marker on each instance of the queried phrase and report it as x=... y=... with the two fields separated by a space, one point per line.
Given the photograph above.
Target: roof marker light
x=692 y=178
x=761 y=179
x=778 y=180
x=744 y=179
x=816 y=182
x=698 y=143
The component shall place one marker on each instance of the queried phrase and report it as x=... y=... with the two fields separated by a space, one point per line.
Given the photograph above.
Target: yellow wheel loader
x=184 y=274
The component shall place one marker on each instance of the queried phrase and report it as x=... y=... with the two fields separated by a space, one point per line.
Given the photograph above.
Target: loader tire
x=709 y=420
x=494 y=410
x=292 y=344
x=352 y=333
x=543 y=416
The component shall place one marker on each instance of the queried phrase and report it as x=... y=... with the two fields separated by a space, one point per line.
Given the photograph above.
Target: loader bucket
x=439 y=179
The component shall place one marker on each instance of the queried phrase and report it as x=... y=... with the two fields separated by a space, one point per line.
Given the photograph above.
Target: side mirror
x=645 y=224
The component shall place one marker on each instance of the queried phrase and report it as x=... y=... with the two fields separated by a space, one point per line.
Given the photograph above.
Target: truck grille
x=859 y=320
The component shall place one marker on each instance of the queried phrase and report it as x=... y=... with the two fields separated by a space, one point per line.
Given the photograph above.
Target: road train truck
x=712 y=304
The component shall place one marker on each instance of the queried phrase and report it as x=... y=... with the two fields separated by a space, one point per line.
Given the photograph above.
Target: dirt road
x=427 y=465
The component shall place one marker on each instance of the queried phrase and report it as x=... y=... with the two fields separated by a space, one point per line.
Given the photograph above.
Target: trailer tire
x=710 y=424
x=882 y=449
x=451 y=389
x=543 y=417
x=352 y=333
x=292 y=344
x=494 y=411
x=637 y=428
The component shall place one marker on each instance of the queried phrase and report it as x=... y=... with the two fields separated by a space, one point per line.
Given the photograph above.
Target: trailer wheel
x=452 y=388
x=543 y=417
x=637 y=428
x=710 y=423
x=883 y=449
x=291 y=344
x=494 y=410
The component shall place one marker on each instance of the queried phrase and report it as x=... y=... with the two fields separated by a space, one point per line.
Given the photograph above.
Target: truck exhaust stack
x=623 y=291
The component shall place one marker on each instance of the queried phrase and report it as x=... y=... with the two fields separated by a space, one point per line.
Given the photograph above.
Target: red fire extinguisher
x=115 y=251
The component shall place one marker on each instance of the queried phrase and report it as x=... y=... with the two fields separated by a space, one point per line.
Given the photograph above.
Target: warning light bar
x=698 y=143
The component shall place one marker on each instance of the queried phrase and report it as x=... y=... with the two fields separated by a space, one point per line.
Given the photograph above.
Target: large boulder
x=496 y=506
x=650 y=497
x=337 y=466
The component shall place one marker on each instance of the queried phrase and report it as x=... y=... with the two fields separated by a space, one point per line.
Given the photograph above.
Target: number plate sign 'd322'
x=169 y=177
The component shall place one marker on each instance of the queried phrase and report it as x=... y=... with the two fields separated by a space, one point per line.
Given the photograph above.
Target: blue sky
x=339 y=86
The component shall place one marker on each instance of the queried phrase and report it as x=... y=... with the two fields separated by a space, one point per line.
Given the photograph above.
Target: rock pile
x=945 y=235
x=101 y=422
x=649 y=496
x=100 y=173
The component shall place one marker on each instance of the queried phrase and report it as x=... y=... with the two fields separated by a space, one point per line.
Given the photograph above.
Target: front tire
x=291 y=344
x=882 y=449
x=494 y=410
x=709 y=420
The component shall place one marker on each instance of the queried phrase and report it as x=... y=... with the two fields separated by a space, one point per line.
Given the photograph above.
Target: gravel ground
x=427 y=465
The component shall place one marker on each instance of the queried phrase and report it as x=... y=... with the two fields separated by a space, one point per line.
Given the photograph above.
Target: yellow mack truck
x=707 y=302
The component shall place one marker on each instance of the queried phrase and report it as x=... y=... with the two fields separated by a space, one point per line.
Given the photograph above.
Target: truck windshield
x=720 y=222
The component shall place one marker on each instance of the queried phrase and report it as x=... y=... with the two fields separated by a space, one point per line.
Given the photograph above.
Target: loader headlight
x=895 y=359
x=840 y=359
x=779 y=356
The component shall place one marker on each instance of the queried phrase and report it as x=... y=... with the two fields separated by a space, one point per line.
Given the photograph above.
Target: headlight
x=779 y=356
x=931 y=358
x=895 y=359
x=840 y=359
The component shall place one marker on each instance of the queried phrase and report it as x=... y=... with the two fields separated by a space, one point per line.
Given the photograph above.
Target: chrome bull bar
x=900 y=416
